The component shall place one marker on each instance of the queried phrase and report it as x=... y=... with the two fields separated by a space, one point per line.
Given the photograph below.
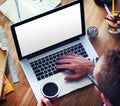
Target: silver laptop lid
x=49 y=30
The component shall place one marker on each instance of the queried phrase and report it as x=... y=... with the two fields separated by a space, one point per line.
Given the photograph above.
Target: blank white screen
x=49 y=30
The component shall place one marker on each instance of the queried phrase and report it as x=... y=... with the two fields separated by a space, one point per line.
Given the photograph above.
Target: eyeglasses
x=92 y=79
x=91 y=76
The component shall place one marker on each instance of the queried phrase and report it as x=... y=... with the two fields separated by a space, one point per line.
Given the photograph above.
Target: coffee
x=50 y=89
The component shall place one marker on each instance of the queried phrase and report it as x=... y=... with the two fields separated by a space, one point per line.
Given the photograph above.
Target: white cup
x=50 y=90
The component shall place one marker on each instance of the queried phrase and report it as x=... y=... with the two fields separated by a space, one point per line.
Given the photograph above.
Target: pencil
x=113 y=8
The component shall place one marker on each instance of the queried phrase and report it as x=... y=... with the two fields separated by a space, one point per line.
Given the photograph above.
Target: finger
x=64 y=61
x=69 y=56
x=74 y=55
x=46 y=102
x=69 y=61
x=72 y=77
x=64 y=66
x=40 y=103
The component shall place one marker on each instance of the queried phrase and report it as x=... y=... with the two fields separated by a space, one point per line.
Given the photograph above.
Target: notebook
x=40 y=40
x=27 y=8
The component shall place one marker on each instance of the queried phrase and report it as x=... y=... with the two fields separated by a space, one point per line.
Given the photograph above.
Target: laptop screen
x=48 y=30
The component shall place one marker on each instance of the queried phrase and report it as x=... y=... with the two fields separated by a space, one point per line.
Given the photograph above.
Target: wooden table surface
x=23 y=95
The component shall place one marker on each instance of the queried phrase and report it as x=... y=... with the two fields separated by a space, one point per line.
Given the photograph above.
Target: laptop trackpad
x=69 y=86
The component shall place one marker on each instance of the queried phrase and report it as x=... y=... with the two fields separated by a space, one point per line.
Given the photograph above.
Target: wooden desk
x=23 y=95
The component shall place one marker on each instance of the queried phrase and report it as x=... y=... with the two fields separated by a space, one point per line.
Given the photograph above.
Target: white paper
x=28 y=8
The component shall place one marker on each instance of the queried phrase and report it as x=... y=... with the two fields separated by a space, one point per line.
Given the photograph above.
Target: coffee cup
x=50 y=90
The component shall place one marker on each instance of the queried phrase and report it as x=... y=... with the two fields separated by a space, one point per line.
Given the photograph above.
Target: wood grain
x=23 y=95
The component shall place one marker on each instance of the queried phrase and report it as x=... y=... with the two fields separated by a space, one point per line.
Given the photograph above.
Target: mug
x=114 y=27
x=50 y=90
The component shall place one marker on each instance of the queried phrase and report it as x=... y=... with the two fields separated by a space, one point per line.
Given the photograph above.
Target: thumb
x=71 y=77
x=40 y=103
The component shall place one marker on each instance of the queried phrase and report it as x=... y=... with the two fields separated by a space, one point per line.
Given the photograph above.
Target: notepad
x=28 y=8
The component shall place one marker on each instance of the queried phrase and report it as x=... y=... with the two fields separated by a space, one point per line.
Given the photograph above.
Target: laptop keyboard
x=46 y=66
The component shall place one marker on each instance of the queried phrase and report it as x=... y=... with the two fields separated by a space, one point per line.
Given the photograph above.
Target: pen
x=17 y=6
x=109 y=19
x=108 y=12
x=106 y=8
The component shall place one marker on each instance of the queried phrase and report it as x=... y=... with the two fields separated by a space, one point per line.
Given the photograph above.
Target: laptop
x=41 y=39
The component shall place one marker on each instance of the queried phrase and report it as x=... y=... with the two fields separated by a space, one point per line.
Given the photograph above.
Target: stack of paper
x=3 y=60
x=5 y=86
x=28 y=8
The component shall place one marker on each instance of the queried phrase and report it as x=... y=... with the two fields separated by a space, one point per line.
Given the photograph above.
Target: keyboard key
x=39 y=74
x=42 y=77
x=36 y=71
x=34 y=68
x=38 y=78
x=46 y=75
x=50 y=73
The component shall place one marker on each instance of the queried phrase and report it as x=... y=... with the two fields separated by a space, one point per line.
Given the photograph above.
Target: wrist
x=92 y=63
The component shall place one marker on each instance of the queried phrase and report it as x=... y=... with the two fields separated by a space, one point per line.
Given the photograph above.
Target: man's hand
x=44 y=102
x=76 y=63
